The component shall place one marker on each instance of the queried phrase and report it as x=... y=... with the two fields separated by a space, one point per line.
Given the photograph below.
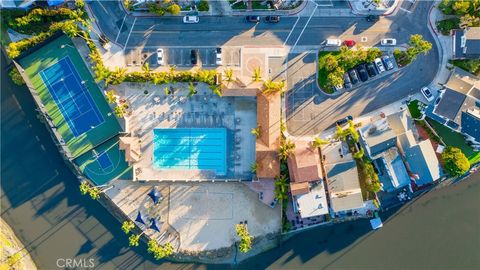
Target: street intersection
x=308 y=110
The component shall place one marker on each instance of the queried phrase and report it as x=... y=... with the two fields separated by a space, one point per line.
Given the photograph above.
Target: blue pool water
x=190 y=148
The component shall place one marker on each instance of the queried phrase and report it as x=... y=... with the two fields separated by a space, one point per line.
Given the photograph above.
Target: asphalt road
x=309 y=111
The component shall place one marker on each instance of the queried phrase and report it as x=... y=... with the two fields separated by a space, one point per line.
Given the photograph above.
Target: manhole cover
x=364 y=39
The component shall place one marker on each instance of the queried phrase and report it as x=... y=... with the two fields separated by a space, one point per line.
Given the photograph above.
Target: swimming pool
x=190 y=149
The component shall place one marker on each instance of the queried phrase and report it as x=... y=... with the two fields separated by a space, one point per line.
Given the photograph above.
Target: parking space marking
x=120 y=30
x=305 y=26
x=130 y=32
x=401 y=8
x=291 y=30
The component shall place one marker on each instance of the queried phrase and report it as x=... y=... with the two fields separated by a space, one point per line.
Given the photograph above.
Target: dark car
x=372 y=18
x=387 y=62
x=372 y=71
x=362 y=72
x=346 y=81
x=353 y=76
x=272 y=19
x=345 y=120
x=194 y=57
x=251 y=18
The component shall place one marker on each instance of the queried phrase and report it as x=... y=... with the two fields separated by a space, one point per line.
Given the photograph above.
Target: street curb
x=291 y=12
x=91 y=14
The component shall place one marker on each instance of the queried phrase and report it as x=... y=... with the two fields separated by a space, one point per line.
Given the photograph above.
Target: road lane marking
x=100 y=2
x=133 y=25
x=304 y=27
x=298 y=18
x=401 y=8
x=120 y=30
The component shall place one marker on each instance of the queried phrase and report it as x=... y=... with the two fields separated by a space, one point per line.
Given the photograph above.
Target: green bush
x=455 y=162
x=470 y=65
x=203 y=5
x=173 y=9
x=16 y=77
x=39 y=20
x=445 y=26
x=401 y=58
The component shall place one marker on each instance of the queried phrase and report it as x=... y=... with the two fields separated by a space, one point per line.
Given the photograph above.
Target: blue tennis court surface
x=71 y=96
x=190 y=148
x=104 y=161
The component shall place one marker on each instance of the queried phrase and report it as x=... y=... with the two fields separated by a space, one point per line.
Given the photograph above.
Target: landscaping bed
x=472 y=65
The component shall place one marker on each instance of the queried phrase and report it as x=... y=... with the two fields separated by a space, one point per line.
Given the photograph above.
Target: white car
x=190 y=19
x=160 y=60
x=218 y=56
x=379 y=64
x=333 y=42
x=388 y=42
x=427 y=93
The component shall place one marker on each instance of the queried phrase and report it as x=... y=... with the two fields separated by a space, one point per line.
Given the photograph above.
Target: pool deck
x=203 y=110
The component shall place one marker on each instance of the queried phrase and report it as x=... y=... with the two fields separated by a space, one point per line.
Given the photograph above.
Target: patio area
x=170 y=106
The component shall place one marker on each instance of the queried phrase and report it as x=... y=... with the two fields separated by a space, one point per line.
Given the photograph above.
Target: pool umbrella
x=154 y=225
x=139 y=218
x=155 y=195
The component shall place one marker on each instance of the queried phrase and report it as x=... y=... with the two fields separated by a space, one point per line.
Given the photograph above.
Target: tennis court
x=71 y=96
x=190 y=148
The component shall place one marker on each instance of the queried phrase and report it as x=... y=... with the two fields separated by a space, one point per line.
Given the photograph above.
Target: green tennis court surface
x=70 y=96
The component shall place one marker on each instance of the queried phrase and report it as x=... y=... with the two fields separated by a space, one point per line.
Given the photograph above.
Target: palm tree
x=84 y=187
x=216 y=89
x=270 y=86
x=228 y=74
x=286 y=148
x=257 y=131
x=254 y=167
x=133 y=240
x=127 y=226
x=317 y=142
x=191 y=90
x=110 y=95
x=281 y=187
x=256 y=75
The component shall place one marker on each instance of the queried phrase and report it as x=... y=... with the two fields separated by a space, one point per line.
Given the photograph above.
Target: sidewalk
x=444 y=44
x=368 y=7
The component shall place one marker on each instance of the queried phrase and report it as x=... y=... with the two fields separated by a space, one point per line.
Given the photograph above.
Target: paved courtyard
x=205 y=109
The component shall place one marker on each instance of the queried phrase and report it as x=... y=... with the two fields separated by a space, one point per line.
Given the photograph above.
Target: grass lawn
x=322 y=74
x=48 y=55
x=451 y=138
x=472 y=66
x=475 y=158
x=414 y=110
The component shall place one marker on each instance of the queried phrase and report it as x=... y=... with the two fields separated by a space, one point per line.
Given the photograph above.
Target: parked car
x=353 y=76
x=345 y=120
x=190 y=19
x=349 y=43
x=388 y=42
x=333 y=42
x=427 y=93
x=218 y=56
x=194 y=57
x=379 y=64
x=388 y=62
x=372 y=18
x=272 y=19
x=362 y=72
x=372 y=71
x=251 y=18
x=160 y=60
x=347 y=83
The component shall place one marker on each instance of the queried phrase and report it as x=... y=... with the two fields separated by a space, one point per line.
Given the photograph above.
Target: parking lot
x=181 y=56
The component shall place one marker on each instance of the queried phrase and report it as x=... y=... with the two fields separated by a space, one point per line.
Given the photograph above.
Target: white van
x=333 y=42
